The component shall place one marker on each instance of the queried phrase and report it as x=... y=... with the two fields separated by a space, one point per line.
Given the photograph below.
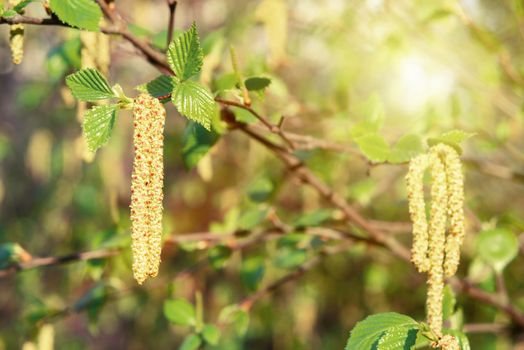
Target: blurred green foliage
x=381 y=78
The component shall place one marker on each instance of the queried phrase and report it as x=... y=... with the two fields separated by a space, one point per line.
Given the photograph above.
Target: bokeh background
x=421 y=67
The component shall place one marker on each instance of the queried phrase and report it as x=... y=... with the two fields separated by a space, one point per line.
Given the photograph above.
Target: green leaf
x=290 y=258
x=180 y=311
x=232 y=314
x=98 y=125
x=197 y=142
x=251 y=218
x=374 y=147
x=312 y=219
x=11 y=253
x=211 y=334
x=219 y=255
x=257 y=83
x=448 y=303
x=497 y=247
x=93 y=300
x=451 y=138
x=84 y=14
x=393 y=327
x=9 y=14
x=191 y=342
x=398 y=338
x=185 y=54
x=159 y=87
x=21 y=5
x=89 y=85
x=252 y=272
x=260 y=190
x=363 y=128
x=195 y=102
x=407 y=147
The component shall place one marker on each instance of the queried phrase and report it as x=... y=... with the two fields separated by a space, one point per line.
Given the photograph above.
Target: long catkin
x=16 y=38
x=147 y=186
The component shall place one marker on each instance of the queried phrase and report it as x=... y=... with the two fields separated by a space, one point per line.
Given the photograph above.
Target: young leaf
x=497 y=247
x=197 y=142
x=21 y=5
x=257 y=83
x=211 y=334
x=451 y=138
x=374 y=147
x=252 y=271
x=191 y=342
x=12 y=253
x=84 y=14
x=239 y=318
x=98 y=124
x=180 y=311
x=407 y=147
x=312 y=219
x=394 y=328
x=185 y=56
x=161 y=86
x=89 y=85
x=195 y=102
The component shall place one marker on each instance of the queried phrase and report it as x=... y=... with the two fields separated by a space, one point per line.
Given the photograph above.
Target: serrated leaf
x=374 y=147
x=180 y=311
x=367 y=333
x=89 y=85
x=211 y=334
x=98 y=125
x=159 y=87
x=451 y=138
x=195 y=102
x=257 y=83
x=497 y=247
x=84 y=14
x=407 y=147
x=197 y=142
x=185 y=55
x=191 y=342
x=398 y=338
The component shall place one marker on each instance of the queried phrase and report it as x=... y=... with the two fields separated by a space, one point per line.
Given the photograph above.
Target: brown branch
x=154 y=57
x=171 y=24
x=55 y=261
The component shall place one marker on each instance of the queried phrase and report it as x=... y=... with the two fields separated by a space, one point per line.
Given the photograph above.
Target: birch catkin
x=147 y=186
x=16 y=38
x=433 y=251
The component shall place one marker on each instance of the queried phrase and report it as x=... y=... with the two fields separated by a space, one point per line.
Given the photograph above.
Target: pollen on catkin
x=417 y=211
x=434 y=251
x=436 y=244
x=448 y=342
x=147 y=186
x=16 y=38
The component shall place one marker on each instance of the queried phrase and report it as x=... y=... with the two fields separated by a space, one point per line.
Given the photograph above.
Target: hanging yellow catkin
x=147 y=186
x=455 y=208
x=16 y=38
x=417 y=211
x=433 y=251
x=436 y=245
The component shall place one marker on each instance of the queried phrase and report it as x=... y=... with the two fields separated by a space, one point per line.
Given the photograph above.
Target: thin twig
x=171 y=24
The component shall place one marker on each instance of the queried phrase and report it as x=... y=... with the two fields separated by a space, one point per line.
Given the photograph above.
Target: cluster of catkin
x=95 y=51
x=434 y=251
x=16 y=38
x=147 y=186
